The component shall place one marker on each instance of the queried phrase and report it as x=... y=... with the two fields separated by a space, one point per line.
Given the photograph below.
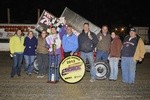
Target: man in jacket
x=103 y=46
x=133 y=51
x=87 y=41
x=69 y=42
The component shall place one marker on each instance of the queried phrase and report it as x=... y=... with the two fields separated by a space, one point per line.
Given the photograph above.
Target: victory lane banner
x=72 y=69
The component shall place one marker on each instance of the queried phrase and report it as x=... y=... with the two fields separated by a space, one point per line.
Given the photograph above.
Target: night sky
x=99 y=12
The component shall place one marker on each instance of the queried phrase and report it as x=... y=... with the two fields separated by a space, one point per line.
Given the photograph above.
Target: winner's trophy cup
x=53 y=67
x=54 y=48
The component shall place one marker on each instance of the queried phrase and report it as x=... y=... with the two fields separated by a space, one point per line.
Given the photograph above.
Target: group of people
x=109 y=48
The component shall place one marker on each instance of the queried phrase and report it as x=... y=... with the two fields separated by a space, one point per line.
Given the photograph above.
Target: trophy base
x=54 y=82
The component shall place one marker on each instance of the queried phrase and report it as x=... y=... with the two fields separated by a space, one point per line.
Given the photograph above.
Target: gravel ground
x=33 y=88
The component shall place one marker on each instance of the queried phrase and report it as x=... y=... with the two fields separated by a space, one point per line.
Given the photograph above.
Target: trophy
x=53 y=68
x=54 y=47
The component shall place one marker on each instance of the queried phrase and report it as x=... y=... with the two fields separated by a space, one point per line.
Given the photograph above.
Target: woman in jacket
x=30 y=44
x=42 y=54
x=16 y=49
x=114 y=55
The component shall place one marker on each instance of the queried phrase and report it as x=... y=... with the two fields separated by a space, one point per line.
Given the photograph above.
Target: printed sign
x=72 y=69
x=8 y=30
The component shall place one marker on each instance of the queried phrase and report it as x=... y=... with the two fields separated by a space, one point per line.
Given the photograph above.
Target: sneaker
x=35 y=71
x=111 y=79
x=25 y=71
x=92 y=80
x=131 y=83
x=40 y=76
x=30 y=74
x=19 y=74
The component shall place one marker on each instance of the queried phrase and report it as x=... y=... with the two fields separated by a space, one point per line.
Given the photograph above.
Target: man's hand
x=47 y=47
x=116 y=58
x=75 y=53
x=100 y=38
x=71 y=53
x=51 y=46
x=11 y=55
x=140 y=59
x=90 y=36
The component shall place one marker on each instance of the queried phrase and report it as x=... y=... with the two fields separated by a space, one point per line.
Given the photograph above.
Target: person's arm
x=58 y=42
x=94 y=40
x=75 y=52
x=36 y=42
x=25 y=41
x=99 y=37
x=11 y=46
x=109 y=43
x=63 y=42
x=119 y=47
x=79 y=44
x=75 y=44
x=142 y=49
x=47 y=42
x=47 y=45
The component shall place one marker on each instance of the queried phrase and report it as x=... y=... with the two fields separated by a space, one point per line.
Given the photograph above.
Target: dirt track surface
x=33 y=88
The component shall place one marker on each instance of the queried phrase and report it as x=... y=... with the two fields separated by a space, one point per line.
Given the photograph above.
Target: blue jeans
x=113 y=68
x=101 y=55
x=90 y=57
x=128 y=67
x=29 y=63
x=17 y=60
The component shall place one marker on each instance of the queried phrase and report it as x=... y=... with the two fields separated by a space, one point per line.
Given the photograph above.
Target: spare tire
x=102 y=70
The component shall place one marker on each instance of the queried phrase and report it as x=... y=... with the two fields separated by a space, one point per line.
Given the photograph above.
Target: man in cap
x=133 y=51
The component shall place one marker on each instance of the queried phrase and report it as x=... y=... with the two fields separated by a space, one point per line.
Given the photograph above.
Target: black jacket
x=85 y=44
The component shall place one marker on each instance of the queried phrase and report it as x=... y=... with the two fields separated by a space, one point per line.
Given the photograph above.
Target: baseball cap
x=132 y=29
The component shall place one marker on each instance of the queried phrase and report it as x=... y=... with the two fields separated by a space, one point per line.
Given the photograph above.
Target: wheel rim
x=101 y=70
